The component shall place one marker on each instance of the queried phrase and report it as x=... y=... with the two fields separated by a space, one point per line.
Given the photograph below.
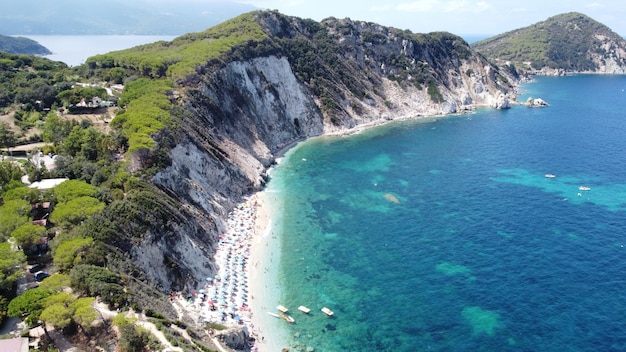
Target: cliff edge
x=286 y=79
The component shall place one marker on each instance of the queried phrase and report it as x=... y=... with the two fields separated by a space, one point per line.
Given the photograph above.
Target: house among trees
x=47 y=183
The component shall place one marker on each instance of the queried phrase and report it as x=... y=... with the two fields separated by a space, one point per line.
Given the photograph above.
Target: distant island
x=21 y=45
x=569 y=42
x=116 y=17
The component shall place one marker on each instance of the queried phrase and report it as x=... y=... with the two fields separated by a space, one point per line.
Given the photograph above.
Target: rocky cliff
x=304 y=80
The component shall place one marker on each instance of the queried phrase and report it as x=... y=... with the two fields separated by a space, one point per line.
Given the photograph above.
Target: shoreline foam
x=246 y=285
x=257 y=258
x=264 y=283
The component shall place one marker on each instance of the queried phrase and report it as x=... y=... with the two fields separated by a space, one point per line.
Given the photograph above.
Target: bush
x=133 y=339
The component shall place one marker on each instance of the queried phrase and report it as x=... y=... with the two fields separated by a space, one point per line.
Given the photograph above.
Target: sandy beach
x=246 y=286
x=263 y=279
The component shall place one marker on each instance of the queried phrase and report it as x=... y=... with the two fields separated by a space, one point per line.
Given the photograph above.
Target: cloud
x=519 y=9
x=443 y=6
x=418 y=6
x=466 y=6
x=595 y=5
x=380 y=8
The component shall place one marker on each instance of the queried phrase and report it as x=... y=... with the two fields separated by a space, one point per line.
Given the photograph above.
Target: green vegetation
x=10 y=261
x=110 y=206
x=65 y=309
x=28 y=234
x=21 y=45
x=185 y=54
x=30 y=304
x=13 y=214
x=94 y=280
x=31 y=80
x=147 y=111
x=71 y=252
x=563 y=41
x=433 y=92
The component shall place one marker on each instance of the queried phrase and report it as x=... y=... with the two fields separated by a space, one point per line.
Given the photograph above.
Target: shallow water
x=444 y=234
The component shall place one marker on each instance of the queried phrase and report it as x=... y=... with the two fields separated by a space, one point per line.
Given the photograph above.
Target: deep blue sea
x=445 y=235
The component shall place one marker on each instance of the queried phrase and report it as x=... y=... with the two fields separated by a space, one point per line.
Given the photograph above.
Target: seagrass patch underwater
x=446 y=234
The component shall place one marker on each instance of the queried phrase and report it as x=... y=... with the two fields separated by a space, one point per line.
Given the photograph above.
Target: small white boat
x=550 y=175
x=584 y=188
x=282 y=309
x=304 y=309
x=327 y=311
x=273 y=314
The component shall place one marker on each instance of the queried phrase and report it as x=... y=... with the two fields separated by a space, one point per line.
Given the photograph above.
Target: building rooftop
x=47 y=183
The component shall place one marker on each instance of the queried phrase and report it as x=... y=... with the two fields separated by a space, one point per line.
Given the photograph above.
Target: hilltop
x=21 y=45
x=570 y=42
x=199 y=121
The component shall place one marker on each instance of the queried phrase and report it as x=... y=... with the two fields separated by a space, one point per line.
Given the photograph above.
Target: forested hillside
x=572 y=42
x=21 y=45
x=146 y=186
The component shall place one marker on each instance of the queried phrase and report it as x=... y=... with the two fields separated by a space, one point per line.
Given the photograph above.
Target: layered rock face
x=316 y=78
x=611 y=56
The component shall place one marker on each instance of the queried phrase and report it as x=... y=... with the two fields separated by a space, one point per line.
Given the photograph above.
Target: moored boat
x=282 y=308
x=273 y=314
x=304 y=309
x=287 y=317
x=327 y=311
x=550 y=175
x=584 y=188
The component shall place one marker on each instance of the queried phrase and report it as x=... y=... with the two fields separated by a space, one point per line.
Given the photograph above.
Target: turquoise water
x=445 y=235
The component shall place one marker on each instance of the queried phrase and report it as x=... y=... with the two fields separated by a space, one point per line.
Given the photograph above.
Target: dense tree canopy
x=56 y=282
x=63 y=309
x=30 y=303
x=31 y=80
x=13 y=214
x=31 y=195
x=69 y=252
x=7 y=136
x=10 y=261
x=9 y=171
x=70 y=189
x=28 y=234
x=75 y=211
x=55 y=128
x=97 y=281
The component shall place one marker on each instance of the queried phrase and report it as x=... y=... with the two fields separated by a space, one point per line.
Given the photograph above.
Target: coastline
x=251 y=228
x=246 y=285
x=264 y=282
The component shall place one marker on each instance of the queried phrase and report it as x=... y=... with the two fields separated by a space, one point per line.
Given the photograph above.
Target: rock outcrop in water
x=306 y=79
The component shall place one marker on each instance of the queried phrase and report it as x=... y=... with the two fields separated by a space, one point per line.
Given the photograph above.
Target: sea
x=462 y=233
x=74 y=50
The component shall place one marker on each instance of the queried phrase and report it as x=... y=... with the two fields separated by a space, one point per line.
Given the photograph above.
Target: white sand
x=246 y=286
x=263 y=279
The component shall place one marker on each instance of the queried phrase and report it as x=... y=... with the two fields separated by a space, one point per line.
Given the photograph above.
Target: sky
x=461 y=17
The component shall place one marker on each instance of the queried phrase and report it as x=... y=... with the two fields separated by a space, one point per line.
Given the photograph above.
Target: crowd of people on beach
x=224 y=299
